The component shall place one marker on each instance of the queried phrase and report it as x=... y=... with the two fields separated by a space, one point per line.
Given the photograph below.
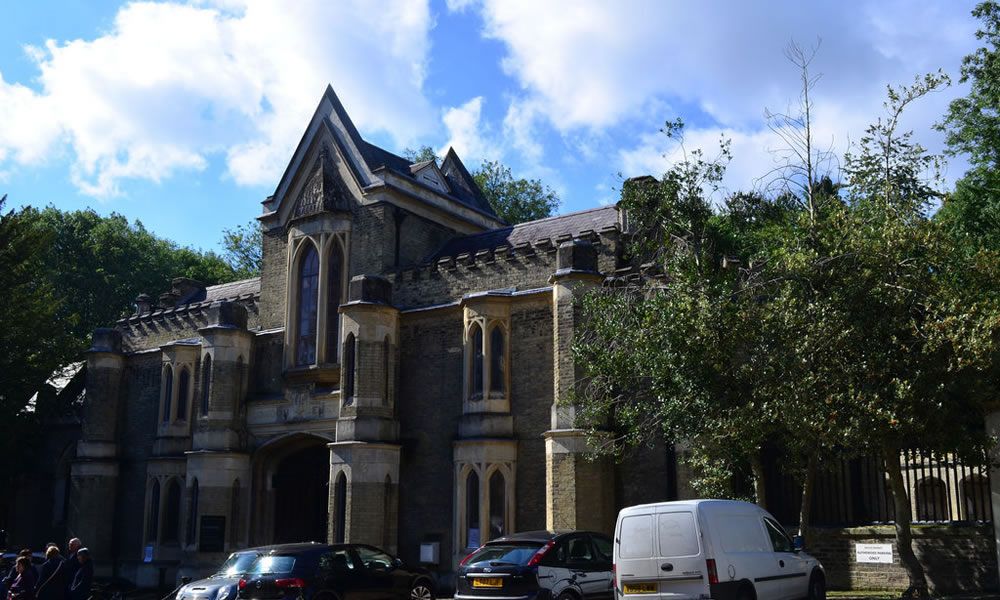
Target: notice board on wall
x=213 y=534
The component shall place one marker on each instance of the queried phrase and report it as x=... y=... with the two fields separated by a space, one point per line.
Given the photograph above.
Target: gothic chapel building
x=393 y=377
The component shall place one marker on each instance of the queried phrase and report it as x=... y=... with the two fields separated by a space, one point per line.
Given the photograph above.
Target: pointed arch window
x=386 y=370
x=192 y=524
x=206 y=381
x=172 y=512
x=234 y=514
x=334 y=295
x=476 y=374
x=308 y=284
x=498 y=376
x=153 y=521
x=498 y=505
x=168 y=392
x=183 y=387
x=473 y=539
x=340 y=497
x=387 y=513
x=349 y=368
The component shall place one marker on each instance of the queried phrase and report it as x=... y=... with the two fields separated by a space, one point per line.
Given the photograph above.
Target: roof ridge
x=218 y=285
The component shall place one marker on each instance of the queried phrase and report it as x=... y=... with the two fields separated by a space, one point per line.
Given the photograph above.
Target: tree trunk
x=807 y=494
x=904 y=538
x=759 y=489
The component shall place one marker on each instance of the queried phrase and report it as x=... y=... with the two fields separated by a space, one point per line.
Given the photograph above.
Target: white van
x=720 y=549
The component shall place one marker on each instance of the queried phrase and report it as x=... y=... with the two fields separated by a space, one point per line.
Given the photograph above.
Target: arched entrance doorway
x=301 y=496
x=291 y=476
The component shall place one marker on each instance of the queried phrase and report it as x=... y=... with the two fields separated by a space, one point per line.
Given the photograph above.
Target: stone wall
x=958 y=558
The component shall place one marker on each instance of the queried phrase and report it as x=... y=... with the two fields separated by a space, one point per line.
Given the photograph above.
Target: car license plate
x=487 y=582
x=640 y=588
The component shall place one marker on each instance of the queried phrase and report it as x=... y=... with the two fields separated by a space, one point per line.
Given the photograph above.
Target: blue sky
x=184 y=114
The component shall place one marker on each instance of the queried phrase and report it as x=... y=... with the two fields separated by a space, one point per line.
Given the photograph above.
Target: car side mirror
x=798 y=543
x=397 y=563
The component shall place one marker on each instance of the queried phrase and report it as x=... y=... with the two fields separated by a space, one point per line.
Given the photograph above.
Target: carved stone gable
x=323 y=191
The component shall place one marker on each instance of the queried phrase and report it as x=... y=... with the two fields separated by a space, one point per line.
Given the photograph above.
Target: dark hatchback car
x=539 y=565
x=338 y=572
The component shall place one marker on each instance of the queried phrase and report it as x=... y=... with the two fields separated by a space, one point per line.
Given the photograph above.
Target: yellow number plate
x=640 y=588
x=487 y=582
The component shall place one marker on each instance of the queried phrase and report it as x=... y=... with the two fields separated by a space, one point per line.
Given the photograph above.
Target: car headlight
x=224 y=593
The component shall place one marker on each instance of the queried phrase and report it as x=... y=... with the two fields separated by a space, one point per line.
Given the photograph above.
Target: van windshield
x=677 y=534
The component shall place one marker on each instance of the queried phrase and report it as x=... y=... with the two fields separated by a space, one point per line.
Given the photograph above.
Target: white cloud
x=173 y=84
x=624 y=67
x=468 y=134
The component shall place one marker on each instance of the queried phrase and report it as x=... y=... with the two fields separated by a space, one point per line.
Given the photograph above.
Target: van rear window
x=677 y=534
x=636 y=537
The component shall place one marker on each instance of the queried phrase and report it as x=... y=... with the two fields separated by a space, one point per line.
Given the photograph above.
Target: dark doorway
x=300 y=496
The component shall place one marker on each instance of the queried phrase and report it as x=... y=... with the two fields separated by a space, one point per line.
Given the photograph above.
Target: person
x=84 y=577
x=23 y=587
x=9 y=579
x=72 y=564
x=51 y=584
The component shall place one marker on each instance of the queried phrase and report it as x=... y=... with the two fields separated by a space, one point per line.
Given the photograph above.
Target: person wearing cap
x=84 y=577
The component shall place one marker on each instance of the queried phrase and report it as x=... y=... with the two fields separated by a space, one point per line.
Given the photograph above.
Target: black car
x=539 y=565
x=337 y=572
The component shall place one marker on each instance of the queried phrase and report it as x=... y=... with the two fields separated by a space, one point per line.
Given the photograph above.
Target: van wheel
x=746 y=593
x=817 y=587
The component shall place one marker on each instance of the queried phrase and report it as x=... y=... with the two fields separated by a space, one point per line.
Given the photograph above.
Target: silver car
x=221 y=585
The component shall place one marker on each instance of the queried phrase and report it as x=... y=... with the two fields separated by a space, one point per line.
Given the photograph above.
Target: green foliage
x=972 y=126
x=422 y=154
x=243 y=248
x=514 y=200
x=65 y=274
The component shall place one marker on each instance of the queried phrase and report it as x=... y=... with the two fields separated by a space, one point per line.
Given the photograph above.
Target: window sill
x=325 y=373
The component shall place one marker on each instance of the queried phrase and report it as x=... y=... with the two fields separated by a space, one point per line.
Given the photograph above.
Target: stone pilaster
x=223 y=480
x=579 y=492
x=94 y=473
x=223 y=377
x=364 y=461
x=364 y=494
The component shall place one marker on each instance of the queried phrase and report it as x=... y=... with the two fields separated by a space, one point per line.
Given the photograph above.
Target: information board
x=873 y=553
x=213 y=534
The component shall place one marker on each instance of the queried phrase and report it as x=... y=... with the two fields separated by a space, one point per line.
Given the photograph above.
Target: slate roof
x=226 y=291
x=571 y=224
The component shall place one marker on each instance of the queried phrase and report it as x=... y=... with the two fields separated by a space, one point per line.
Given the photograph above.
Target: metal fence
x=941 y=487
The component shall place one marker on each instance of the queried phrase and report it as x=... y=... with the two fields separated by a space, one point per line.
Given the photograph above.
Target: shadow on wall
x=957 y=557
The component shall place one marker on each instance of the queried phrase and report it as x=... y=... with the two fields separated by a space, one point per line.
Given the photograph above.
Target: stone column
x=94 y=473
x=223 y=490
x=364 y=461
x=228 y=345
x=366 y=510
x=579 y=493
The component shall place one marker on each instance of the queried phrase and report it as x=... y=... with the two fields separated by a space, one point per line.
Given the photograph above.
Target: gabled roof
x=331 y=116
x=571 y=224
x=225 y=291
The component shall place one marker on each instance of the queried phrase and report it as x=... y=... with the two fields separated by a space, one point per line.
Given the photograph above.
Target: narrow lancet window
x=305 y=344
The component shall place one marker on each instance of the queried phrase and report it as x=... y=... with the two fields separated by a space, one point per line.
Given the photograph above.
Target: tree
x=243 y=249
x=972 y=126
x=424 y=153
x=514 y=200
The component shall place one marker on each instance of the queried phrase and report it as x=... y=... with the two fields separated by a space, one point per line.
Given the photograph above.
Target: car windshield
x=237 y=564
x=272 y=564
x=505 y=554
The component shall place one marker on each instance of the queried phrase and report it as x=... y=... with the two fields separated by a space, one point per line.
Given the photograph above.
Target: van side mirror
x=798 y=543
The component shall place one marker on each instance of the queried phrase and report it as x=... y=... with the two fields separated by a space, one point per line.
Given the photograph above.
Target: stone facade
x=393 y=377
x=398 y=375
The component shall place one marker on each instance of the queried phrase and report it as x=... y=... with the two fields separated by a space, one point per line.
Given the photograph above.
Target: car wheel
x=421 y=591
x=566 y=596
x=817 y=587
